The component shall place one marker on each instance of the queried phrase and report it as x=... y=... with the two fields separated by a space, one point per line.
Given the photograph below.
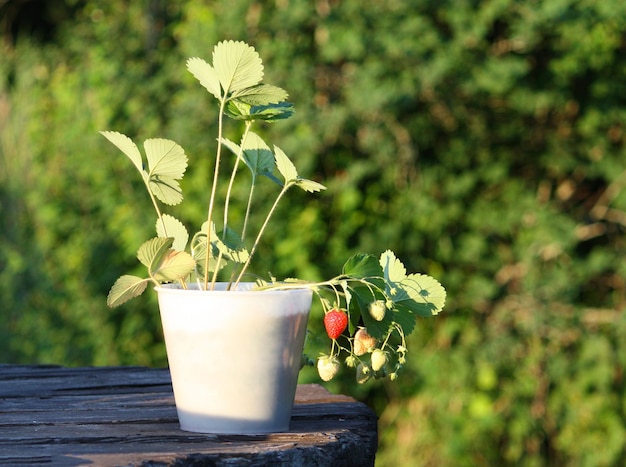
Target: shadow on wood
x=126 y=416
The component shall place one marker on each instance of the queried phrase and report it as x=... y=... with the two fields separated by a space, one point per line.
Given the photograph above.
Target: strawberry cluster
x=335 y=323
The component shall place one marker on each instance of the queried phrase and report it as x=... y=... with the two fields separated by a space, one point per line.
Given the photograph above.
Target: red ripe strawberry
x=335 y=322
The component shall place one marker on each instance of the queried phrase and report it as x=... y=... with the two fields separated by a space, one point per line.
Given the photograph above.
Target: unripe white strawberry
x=377 y=310
x=363 y=342
x=327 y=367
x=379 y=359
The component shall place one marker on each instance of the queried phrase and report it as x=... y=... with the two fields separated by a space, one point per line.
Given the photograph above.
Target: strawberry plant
x=373 y=298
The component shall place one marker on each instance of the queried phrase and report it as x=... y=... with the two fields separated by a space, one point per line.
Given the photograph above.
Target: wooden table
x=52 y=415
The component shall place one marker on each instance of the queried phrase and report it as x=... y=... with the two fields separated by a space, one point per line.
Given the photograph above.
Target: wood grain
x=125 y=416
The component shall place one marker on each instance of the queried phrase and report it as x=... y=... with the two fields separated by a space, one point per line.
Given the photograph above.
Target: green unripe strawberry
x=335 y=322
x=327 y=367
x=379 y=359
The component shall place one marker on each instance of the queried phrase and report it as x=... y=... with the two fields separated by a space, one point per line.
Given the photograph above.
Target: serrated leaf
x=151 y=251
x=240 y=110
x=165 y=158
x=405 y=317
x=310 y=185
x=361 y=266
x=285 y=166
x=377 y=329
x=424 y=310
x=169 y=226
x=257 y=155
x=174 y=265
x=237 y=65
x=166 y=189
x=126 y=145
x=125 y=288
x=427 y=292
x=362 y=296
x=393 y=268
x=272 y=112
x=261 y=95
x=230 y=245
x=205 y=74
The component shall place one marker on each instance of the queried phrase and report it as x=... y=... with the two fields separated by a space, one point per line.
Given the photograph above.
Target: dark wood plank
x=52 y=415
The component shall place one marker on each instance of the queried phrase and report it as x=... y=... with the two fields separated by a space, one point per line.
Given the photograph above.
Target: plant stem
x=216 y=172
x=228 y=194
x=261 y=231
x=248 y=207
x=234 y=173
x=146 y=181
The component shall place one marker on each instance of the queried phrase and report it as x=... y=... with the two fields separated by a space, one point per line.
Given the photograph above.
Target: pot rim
x=244 y=288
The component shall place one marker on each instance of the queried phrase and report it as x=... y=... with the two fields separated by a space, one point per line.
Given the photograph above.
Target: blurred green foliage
x=481 y=141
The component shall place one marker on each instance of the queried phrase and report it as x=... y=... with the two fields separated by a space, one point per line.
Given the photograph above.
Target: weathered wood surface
x=51 y=415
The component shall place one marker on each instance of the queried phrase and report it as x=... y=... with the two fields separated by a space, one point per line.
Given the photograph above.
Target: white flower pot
x=234 y=356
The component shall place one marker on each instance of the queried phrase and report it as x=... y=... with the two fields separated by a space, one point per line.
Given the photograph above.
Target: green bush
x=481 y=141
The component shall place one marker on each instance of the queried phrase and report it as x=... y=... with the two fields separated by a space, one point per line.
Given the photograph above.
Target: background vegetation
x=482 y=141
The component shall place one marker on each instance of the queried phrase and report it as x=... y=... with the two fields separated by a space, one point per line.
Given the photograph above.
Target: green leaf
x=237 y=65
x=394 y=272
x=404 y=315
x=261 y=95
x=362 y=296
x=205 y=74
x=125 y=288
x=272 y=112
x=257 y=155
x=199 y=250
x=166 y=189
x=169 y=226
x=151 y=252
x=377 y=329
x=285 y=166
x=362 y=266
x=126 y=145
x=174 y=265
x=230 y=245
x=425 y=310
x=310 y=185
x=165 y=158
x=167 y=163
x=428 y=294
x=393 y=268
x=240 y=110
